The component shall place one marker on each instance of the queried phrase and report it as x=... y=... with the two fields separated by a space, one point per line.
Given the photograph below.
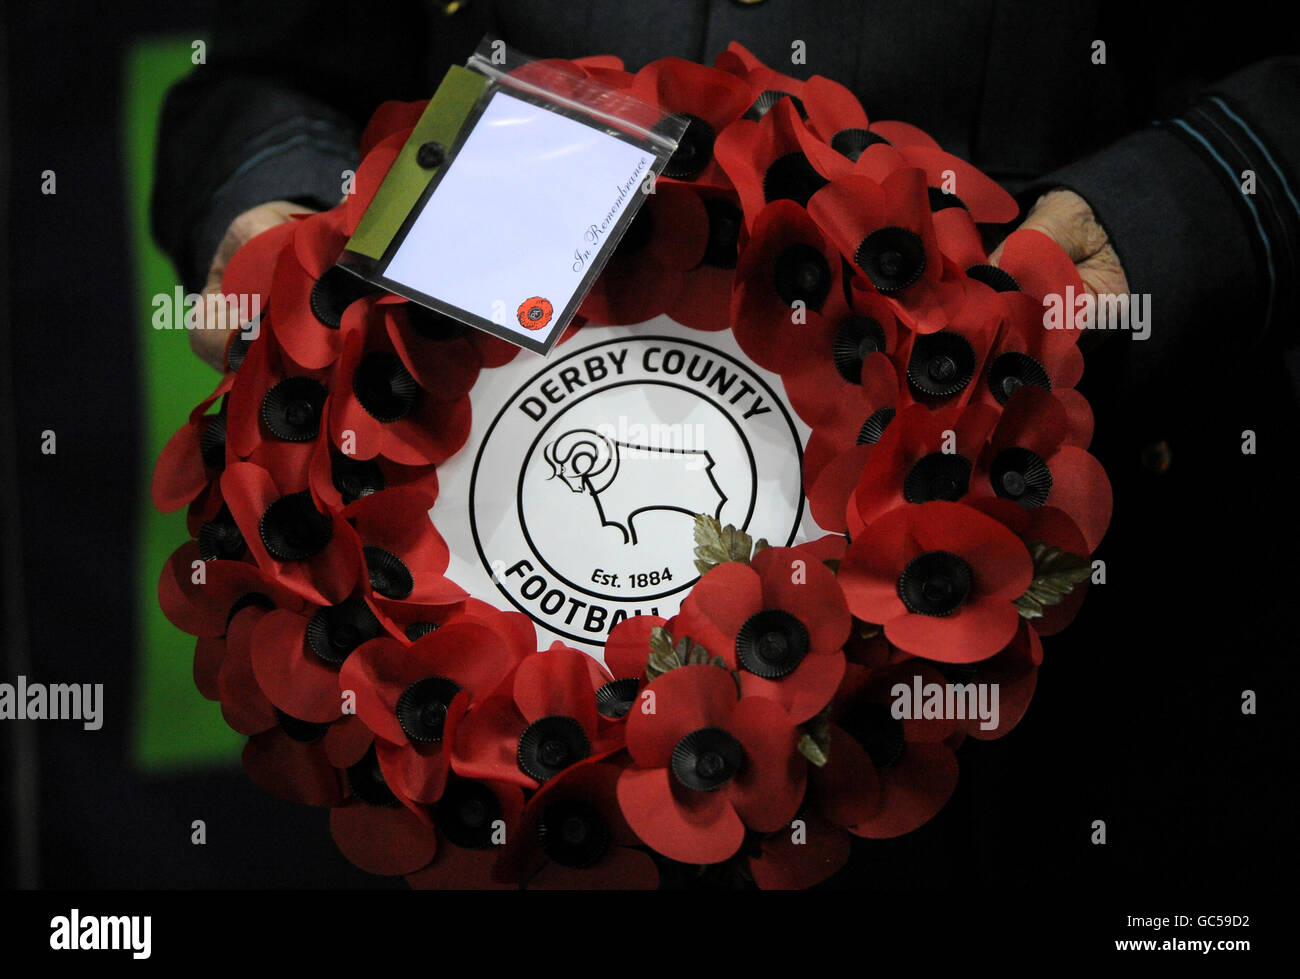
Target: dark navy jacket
x=1135 y=720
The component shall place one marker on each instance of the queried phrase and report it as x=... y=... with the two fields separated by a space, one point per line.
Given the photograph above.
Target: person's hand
x=1066 y=218
x=212 y=319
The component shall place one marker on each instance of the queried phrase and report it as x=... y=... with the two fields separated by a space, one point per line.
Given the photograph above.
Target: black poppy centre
x=335 y=631
x=467 y=814
x=937 y=476
x=792 y=177
x=941 y=365
x=935 y=583
x=550 y=745
x=1021 y=475
x=384 y=387
x=893 y=258
x=856 y=339
x=334 y=292
x=422 y=708
x=694 y=150
x=292 y=529
x=874 y=427
x=772 y=644
x=1013 y=370
x=291 y=410
x=389 y=575
x=802 y=274
x=573 y=833
x=707 y=759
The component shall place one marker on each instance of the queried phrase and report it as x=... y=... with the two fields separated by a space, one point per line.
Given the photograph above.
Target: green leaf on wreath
x=667 y=653
x=694 y=653
x=1056 y=574
x=716 y=544
x=866 y=630
x=663 y=655
x=815 y=738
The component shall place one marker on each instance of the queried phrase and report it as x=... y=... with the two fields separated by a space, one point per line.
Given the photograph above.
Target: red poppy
x=840 y=125
x=472 y=820
x=1026 y=354
x=534 y=313
x=955 y=231
x=310 y=293
x=193 y=458
x=378 y=408
x=405 y=556
x=413 y=696
x=379 y=830
x=1028 y=460
x=801 y=855
x=573 y=836
x=1039 y=267
x=389 y=118
x=243 y=704
x=846 y=790
x=273 y=401
x=708 y=764
x=704 y=302
x=1050 y=526
x=844 y=437
x=878 y=148
x=788 y=278
x=767 y=86
x=915 y=768
x=200 y=597
x=443 y=354
x=709 y=99
x=987 y=201
x=315 y=554
x=540 y=720
x=249 y=277
x=628 y=645
x=923 y=455
x=645 y=275
x=781 y=622
x=376 y=161
x=606 y=67
x=821 y=368
x=304 y=763
x=768 y=160
x=940 y=578
x=296 y=655
x=885 y=229
x=1014 y=670
x=946 y=367
x=337 y=480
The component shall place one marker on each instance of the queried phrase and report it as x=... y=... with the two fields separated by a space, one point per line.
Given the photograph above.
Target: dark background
x=1137 y=717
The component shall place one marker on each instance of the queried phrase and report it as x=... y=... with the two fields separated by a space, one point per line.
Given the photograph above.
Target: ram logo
x=625 y=480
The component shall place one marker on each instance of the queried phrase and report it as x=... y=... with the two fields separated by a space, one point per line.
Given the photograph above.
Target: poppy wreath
x=748 y=739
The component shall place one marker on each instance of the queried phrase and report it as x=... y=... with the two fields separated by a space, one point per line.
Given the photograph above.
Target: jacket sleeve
x=1204 y=212
x=277 y=110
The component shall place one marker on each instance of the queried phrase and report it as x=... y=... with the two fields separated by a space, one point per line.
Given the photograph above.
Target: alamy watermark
x=640 y=440
x=179 y=310
x=103 y=932
x=946 y=701
x=1098 y=311
x=23 y=701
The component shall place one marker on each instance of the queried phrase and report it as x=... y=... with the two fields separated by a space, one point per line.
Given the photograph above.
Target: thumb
x=1066 y=218
x=213 y=320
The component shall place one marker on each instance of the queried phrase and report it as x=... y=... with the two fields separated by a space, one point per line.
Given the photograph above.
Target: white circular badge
x=574 y=498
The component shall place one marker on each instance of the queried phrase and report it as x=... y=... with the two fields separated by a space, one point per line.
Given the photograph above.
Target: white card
x=514 y=229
